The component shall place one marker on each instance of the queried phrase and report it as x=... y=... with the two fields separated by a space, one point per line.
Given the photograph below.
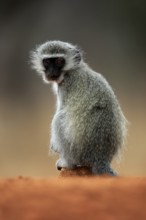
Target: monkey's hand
x=64 y=164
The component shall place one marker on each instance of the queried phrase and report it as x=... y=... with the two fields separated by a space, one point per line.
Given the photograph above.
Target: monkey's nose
x=49 y=71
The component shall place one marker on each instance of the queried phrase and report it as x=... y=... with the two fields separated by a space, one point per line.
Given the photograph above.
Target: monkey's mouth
x=52 y=76
x=58 y=77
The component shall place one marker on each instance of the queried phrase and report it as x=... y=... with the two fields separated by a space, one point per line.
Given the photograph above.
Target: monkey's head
x=54 y=59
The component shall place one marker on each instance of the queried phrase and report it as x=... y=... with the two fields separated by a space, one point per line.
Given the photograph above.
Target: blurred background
x=113 y=35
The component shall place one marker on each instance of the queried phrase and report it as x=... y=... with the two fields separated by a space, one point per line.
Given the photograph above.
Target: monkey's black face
x=53 y=67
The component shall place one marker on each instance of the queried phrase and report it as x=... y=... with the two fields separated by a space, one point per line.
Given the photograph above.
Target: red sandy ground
x=78 y=198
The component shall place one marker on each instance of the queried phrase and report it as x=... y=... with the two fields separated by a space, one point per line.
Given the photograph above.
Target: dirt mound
x=102 y=198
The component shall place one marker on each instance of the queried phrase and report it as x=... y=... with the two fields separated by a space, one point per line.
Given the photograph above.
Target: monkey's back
x=92 y=125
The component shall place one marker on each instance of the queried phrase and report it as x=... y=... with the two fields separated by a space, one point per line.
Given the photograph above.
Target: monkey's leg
x=61 y=163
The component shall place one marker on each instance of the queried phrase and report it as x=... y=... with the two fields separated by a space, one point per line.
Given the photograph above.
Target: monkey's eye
x=46 y=62
x=60 y=61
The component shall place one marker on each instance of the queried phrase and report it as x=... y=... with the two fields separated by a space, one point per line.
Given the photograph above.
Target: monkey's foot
x=78 y=171
x=63 y=164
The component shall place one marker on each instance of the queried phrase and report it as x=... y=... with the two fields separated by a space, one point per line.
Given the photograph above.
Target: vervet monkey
x=88 y=128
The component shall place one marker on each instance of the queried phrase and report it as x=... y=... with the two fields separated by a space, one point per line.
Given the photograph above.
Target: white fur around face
x=36 y=60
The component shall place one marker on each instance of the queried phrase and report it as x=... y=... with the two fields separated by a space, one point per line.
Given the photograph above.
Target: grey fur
x=88 y=128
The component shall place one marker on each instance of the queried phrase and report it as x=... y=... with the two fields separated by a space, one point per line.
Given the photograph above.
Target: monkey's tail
x=103 y=170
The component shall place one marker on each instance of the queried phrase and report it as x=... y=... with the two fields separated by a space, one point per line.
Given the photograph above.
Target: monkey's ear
x=78 y=55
